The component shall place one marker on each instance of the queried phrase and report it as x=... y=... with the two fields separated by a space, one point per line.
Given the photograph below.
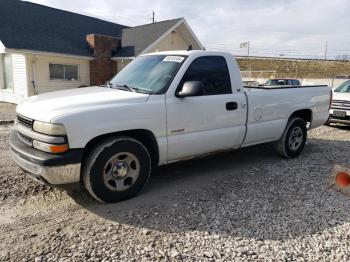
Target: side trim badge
x=177 y=131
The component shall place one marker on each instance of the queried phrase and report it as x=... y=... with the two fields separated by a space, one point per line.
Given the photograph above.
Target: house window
x=64 y=72
x=7 y=74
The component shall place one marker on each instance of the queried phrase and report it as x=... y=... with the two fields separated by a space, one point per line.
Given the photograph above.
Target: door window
x=213 y=72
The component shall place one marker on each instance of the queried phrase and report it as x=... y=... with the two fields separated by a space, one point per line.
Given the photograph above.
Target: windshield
x=343 y=88
x=150 y=74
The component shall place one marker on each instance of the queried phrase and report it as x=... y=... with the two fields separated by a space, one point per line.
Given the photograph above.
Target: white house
x=48 y=49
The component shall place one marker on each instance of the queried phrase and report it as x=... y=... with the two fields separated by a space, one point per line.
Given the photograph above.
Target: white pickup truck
x=162 y=107
x=340 y=108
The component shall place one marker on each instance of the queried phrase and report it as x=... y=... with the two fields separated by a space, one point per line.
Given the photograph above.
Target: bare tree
x=343 y=57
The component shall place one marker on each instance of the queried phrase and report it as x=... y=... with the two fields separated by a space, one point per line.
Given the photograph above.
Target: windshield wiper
x=131 y=89
x=108 y=84
x=143 y=91
x=127 y=87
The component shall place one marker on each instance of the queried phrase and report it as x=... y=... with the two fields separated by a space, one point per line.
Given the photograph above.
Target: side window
x=213 y=72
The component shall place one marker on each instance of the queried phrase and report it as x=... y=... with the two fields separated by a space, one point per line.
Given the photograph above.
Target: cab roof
x=192 y=52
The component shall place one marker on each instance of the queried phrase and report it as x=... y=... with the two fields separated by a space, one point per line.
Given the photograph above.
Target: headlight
x=49 y=129
x=55 y=149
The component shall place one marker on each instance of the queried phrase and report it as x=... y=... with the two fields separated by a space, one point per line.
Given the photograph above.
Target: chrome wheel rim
x=295 y=138
x=121 y=171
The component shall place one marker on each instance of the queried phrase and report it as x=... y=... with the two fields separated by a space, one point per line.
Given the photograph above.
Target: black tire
x=291 y=150
x=94 y=169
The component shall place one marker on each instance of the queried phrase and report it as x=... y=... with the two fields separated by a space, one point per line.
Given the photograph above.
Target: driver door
x=210 y=122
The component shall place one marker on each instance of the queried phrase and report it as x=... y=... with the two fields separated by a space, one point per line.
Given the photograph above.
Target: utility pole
x=248 y=47
x=325 y=52
x=153 y=17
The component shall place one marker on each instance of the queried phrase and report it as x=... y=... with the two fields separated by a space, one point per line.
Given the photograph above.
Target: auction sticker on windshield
x=177 y=59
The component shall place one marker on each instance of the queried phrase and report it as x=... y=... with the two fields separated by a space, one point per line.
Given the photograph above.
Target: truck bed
x=282 y=87
x=270 y=108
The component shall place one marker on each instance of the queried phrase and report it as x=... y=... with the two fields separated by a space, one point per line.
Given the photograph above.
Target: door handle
x=231 y=106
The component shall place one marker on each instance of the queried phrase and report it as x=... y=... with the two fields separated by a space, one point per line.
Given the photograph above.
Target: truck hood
x=47 y=106
x=341 y=96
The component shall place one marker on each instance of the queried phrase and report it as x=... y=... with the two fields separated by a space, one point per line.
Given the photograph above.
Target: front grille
x=341 y=104
x=25 y=139
x=27 y=122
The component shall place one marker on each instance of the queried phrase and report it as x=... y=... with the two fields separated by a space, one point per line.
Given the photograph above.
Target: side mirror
x=191 y=88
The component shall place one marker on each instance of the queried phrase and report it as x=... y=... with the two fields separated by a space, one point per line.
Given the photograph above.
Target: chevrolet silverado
x=162 y=107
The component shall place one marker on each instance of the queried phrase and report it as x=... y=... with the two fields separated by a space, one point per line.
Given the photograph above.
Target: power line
x=274 y=35
x=278 y=51
x=232 y=46
x=296 y=54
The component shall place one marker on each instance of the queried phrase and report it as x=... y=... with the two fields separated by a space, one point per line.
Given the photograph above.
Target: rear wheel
x=117 y=169
x=293 y=140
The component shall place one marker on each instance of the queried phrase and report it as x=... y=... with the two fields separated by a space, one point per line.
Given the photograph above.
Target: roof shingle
x=140 y=37
x=29 y=26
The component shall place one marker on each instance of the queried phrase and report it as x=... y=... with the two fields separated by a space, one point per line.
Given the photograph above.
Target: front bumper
x=345 y=121
x=44 y=167
x=336 y=118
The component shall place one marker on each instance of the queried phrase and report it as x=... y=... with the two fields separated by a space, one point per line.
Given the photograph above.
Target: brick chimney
x=101 y=68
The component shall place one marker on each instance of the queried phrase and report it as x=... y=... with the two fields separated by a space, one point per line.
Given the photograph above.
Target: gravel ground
x=7 y=111
x=237 y=206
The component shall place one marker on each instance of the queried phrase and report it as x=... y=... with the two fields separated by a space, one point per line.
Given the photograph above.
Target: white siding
x=123 y=63
x=173 y=41
x=19 y=91
x=41 y=69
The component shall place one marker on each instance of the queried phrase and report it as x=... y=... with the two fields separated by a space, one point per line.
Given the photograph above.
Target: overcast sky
x=273 y=27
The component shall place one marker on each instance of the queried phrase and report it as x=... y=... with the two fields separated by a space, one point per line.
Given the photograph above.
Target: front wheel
x=117 y=169
x=293 y=140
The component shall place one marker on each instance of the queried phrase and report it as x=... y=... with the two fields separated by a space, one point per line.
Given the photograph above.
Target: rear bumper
x=44 y=167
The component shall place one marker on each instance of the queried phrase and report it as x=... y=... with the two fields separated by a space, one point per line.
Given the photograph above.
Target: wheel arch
x=305 y=114
x=144 y=136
